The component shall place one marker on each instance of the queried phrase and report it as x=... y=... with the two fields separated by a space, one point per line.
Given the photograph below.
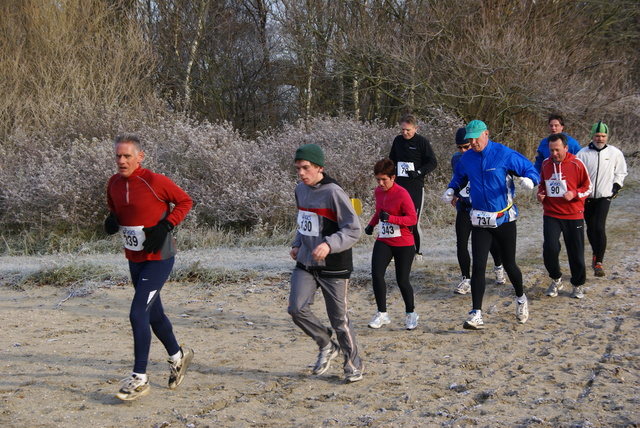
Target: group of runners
x=145 y=207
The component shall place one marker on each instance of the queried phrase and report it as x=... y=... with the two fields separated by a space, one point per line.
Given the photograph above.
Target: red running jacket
x=143 y=199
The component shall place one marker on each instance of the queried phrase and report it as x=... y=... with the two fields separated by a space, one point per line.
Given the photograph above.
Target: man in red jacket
x=564 y=185
x=140 y=210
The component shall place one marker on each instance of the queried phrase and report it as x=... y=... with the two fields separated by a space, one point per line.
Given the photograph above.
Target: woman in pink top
x=395 y=216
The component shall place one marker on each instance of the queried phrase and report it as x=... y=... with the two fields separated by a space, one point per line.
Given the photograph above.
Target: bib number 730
x=308 y=223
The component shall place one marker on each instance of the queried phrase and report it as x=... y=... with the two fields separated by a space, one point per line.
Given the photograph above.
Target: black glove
x=384 y=216
x=368 y=230
x=111 y=225
x=413 y=174
x=616 y=190
x=156 y=236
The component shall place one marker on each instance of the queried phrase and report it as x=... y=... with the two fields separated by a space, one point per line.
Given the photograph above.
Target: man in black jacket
x=414 y=159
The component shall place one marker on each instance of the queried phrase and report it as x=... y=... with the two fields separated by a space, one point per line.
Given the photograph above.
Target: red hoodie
x=574 y=173
x=143 y=199
x=397 y=202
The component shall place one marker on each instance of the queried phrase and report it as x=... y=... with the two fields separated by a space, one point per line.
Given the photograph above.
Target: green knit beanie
x=310 y=152
x=599 y=127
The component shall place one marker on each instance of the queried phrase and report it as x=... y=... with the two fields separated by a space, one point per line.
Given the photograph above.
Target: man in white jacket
x=607 y=169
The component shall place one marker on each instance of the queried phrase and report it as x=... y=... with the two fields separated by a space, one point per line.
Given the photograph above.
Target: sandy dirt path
x=575 y=363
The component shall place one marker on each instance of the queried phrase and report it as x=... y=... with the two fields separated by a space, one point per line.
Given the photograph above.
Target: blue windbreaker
x=463 y=203
x=543 y=150
x=490 y=173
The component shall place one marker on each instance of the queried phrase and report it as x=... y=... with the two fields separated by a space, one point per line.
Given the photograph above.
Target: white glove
x=448 y=195
x=524 y=183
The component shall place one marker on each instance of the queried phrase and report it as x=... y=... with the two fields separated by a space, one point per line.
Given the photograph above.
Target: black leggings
x=147 y=312
x=417 y=196
x=573 y=234
x=595 y=216
x=481 y=240
x=463 y=231
x=380 y=259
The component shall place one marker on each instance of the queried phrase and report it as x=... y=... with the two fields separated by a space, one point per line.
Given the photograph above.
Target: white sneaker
x=578 y=292
x=380 y=319
x=354 y=376
x=500 y=276
x=522 y=311
x=133 y=387
x=556 y=285
x=179 y=368
x=464 y=287
x=411 y=320
x=474 y=322
x=325 y=356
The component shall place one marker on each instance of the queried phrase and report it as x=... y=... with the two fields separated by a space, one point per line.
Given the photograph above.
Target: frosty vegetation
x=222 y=93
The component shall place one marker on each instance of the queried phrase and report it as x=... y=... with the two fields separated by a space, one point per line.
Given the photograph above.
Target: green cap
x=310 y=152
x=599 y=127
x=475 y=128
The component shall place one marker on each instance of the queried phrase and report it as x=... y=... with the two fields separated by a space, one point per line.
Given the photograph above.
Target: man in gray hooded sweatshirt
x=327 y=229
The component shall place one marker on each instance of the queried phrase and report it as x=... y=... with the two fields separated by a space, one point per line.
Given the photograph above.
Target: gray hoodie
x=326 y=215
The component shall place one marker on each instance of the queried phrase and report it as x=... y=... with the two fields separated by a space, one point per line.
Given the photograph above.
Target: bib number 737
x=484 y=219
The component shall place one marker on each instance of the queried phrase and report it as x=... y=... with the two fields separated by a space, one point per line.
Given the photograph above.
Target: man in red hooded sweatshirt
x=140 y=210
x=564 y=186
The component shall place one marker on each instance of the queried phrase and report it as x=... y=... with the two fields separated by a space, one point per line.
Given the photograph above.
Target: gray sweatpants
x=303 y=287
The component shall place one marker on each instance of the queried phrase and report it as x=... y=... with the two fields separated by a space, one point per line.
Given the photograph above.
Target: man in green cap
x=327 y=229
x=607 y=170
x=489 y=168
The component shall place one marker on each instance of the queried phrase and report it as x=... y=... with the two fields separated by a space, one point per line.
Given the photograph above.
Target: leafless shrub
x=61 y=57
x=236 y=183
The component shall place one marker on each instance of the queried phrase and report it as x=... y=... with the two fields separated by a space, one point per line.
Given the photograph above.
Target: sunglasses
x=465 y=147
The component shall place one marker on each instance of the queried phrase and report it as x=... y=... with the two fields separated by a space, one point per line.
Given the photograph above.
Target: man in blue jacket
x=556 y=126
x=491 y=169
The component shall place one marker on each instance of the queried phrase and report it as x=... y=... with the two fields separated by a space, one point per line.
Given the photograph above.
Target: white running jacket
x=606 y=167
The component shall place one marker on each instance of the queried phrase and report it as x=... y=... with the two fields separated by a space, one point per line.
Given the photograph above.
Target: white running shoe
x=325 y=356
x=500 y=276
x=411 y=320
x=380 y=319
x=522 y=311
x=133 y=387
x=354 y=376
x=475 y=321
x=578 y=292
x=556 y=285
x=464 y=287
x=179 y=368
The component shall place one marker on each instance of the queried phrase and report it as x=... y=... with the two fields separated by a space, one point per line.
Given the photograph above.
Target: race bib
x=484 y=219
x=132 y=237
x=404 y=168
x=308 y=223
x=465 y=192
x=556 y=188
x=388 y=230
